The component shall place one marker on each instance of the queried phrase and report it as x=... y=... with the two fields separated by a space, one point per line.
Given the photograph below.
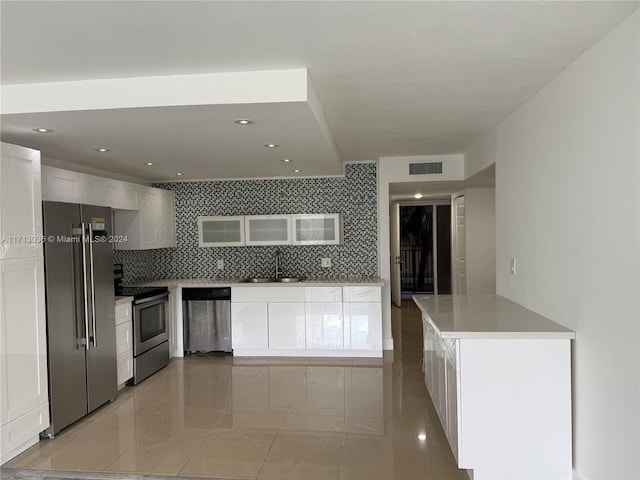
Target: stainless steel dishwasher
x=206 y=315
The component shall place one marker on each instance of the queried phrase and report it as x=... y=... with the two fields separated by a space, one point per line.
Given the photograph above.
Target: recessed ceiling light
x=43 y=130
x=297 y=170
x=244 y=121
x=286 y=160
x=422 y=436
x=179 y=174
x=417 y=195
x=271 y=145
x=149 y=164
x=102 y=150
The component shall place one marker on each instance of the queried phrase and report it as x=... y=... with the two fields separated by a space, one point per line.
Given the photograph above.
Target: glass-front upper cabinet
x=267 y=229
x=221 y=231
x=320 y=229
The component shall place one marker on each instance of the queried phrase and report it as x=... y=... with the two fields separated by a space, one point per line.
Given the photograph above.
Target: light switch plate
x=513 y=266
x=325 y=262
x=220 y=264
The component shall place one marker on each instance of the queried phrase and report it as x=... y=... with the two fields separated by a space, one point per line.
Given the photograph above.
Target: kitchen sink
x=288 y=279
x=259 y=280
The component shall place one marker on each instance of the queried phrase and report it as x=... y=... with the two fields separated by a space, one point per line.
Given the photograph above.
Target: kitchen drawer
x=124 y=338
x=362 y=294
x=123 y=313
x=18 y=435
x=125 y=366
x=267 y=294
x=323 y=294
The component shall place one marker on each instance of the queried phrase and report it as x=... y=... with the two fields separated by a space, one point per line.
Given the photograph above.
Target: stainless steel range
x=150 y=329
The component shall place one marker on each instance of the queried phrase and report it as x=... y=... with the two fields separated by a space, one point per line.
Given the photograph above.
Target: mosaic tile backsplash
x=354 y=196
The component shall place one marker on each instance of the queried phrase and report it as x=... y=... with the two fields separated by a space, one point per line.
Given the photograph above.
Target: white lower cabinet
x=504 y=403
x=124 y=362
x=362 y=294
x=286 y=325
x=313 y=321
x=325 y=326
x=452 y=376
x=249 y=328
x=124 y=343
x=362 y=326
x=441 y=385
x=362 y=313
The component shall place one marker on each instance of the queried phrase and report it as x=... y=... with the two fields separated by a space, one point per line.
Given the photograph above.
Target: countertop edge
x=205 y=283
x=123 y=300
x=562 y=333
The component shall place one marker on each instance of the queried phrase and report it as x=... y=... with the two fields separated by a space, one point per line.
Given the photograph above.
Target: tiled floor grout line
x=201 y=446
x=267 y=454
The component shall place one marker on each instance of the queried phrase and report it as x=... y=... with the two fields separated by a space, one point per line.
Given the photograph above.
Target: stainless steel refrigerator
x=80 y=310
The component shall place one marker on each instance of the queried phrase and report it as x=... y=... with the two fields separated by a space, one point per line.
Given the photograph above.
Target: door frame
x=394 y=239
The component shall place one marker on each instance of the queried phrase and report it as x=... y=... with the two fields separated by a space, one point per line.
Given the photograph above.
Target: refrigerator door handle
x=85 y=287
x=93 y=290
x=76 y=235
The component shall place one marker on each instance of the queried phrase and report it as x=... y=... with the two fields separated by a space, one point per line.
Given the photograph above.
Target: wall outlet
x=325 y=262
x=220 y=264
x=513 y=266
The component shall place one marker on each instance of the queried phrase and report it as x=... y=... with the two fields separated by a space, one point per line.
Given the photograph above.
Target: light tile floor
x=225 y=417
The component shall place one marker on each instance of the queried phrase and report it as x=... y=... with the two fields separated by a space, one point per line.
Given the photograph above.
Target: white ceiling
x=393 y=78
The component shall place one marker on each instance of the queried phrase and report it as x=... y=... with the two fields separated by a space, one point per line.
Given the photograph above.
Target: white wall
x=481 y=155
x=395 y=170
x=567 y=202
x=480 y=228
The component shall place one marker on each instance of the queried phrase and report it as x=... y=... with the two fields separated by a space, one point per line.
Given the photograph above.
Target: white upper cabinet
x=220 y=231
x=91 y=185
x=152 y=226
x=107 y=192
x=228 y=231
x=146 y=216
x=20 y=204
x=267 y=229
x=322 y=229
x=60 y=185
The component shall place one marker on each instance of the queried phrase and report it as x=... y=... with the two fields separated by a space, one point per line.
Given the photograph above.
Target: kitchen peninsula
x=318 y=318
x=499 y=376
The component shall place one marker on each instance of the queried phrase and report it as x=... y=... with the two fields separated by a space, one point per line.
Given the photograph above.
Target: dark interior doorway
x=425 y=249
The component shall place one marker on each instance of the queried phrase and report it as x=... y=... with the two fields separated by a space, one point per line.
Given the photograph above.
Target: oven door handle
x=161 y=297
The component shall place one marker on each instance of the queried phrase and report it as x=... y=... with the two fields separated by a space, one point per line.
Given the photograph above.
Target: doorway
x=425 y=249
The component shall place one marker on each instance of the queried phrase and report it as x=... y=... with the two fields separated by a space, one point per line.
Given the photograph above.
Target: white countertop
x=121 y=300
x=235 y=282
x=486 y=316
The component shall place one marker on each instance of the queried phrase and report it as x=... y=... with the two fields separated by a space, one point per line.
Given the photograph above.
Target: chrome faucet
x=278 y=263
